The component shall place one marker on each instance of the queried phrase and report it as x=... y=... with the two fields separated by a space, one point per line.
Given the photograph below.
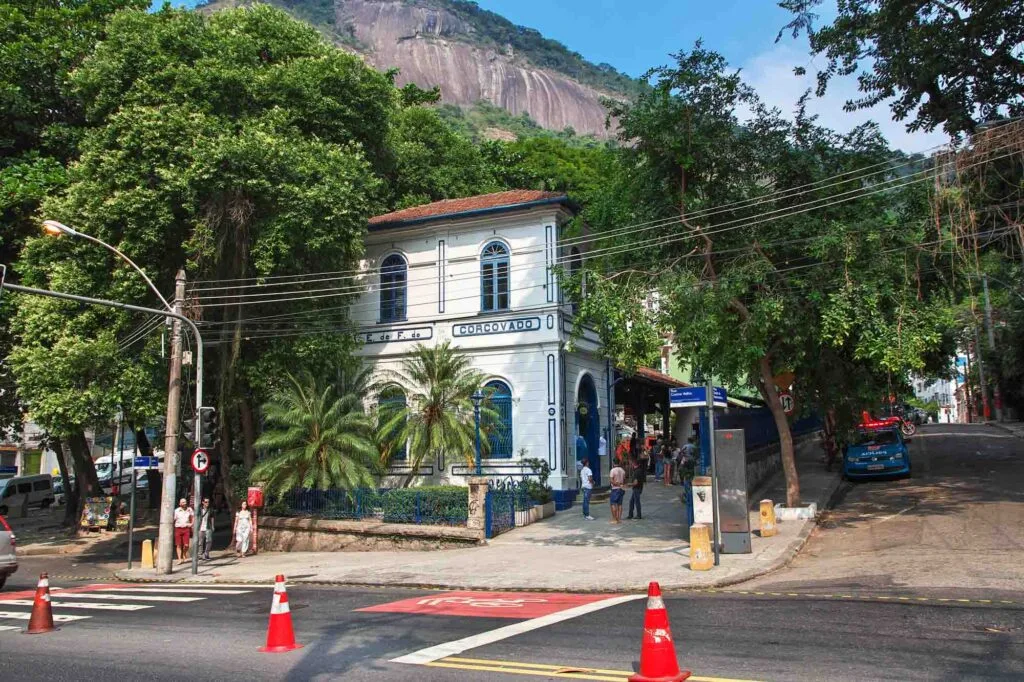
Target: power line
x=619 y=249
x=860 y=173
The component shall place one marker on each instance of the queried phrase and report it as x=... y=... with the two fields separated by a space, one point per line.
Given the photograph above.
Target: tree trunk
x=88 y=485
x=70 y=495
x=248 y=431
x=771 y=396
x=829 y=438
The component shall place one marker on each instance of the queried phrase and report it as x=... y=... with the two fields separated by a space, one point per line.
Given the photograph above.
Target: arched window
x=390 y=402
x=393 y=283
x=494 y=277
x=500 y=429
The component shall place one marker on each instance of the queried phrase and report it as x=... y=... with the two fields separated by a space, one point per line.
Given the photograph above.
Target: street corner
x=513 y=605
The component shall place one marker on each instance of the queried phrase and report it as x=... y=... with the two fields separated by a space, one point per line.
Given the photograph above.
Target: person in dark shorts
x=638 y=476
x=617 y=478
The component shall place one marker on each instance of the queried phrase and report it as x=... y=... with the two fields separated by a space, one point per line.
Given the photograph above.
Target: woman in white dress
x=242 y=530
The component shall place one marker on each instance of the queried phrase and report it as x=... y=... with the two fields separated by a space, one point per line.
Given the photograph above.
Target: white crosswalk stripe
x=107 y=597
x=57 y=617
x=83 y=605
x=133 y=597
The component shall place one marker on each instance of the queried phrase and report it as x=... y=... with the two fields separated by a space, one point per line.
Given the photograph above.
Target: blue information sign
x=147 y=463
x=9 y=470
x=695 y=396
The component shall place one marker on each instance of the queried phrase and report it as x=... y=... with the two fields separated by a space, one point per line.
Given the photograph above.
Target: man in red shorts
x=182 y=529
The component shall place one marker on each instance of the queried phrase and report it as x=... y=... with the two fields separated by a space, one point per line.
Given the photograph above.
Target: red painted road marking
x=519 y=605
x=28 y=594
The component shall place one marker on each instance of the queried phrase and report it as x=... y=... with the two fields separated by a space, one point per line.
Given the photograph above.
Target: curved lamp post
x=56 y=229
x=477 y=398
x=165 y=544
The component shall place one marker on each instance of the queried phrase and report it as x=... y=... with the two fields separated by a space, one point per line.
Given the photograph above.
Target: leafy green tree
x=949 y=63
x=237 y=145
x=748 y=281
x=437 y=419
x=317 y=435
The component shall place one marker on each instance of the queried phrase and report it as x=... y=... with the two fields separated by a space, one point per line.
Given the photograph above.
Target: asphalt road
x=886 y=590
x=729 y=636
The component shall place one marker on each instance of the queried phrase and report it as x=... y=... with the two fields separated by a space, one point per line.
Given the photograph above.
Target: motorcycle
x=907 y=427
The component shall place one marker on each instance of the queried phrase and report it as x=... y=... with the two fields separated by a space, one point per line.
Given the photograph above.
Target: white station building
x=480 y=272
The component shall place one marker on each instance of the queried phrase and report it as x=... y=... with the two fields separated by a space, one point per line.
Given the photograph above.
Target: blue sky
x=635 y=35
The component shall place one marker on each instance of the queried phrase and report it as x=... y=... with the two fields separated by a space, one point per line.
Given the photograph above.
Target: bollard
x=768 y=527
x=147 y=554
x=701 y=558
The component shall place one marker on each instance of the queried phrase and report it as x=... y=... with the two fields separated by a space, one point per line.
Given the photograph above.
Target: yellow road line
x=548 y=670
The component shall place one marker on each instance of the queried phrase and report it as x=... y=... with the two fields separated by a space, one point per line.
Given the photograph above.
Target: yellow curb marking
x=547 y=670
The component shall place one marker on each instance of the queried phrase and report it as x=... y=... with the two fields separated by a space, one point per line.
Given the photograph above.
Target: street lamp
x=168 y=493
x=56 y=229
x=477 y=398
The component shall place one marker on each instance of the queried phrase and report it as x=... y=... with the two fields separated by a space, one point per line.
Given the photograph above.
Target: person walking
x=687 y=457
x=617 y=478
x=587 y=486
x=638 y=478
x=645 y=458
x=242 y=531
x=183 y=516
x=205 y=529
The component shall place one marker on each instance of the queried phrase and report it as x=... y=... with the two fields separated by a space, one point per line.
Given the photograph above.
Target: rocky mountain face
x=433 y=45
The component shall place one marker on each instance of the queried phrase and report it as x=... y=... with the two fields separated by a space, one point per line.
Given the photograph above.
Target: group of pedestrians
x=184 y=518
x=632 y=465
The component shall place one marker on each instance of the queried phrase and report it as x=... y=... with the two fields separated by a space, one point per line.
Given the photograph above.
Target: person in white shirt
x=587 y=485
x=182 y=529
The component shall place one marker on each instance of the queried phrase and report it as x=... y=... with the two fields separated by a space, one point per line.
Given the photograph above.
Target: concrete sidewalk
x=1016 y=428
x=564 y=553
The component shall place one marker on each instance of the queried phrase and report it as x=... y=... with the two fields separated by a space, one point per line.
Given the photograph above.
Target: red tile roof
x=658 y=377
x=452 y=207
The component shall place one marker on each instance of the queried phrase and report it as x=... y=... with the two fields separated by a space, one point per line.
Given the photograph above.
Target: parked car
x=37 y=490
x=877 y=451
x=8 y=558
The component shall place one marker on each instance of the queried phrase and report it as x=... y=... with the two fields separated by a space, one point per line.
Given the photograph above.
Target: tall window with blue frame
x=389 y=405
x=499 y=430
x=393 y=287
x=494 y=277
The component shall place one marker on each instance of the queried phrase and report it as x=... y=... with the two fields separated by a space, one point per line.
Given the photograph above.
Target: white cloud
x=771 y=74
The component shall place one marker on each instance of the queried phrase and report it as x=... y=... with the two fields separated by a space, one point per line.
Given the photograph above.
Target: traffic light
x=208 y=427
x=188 y=434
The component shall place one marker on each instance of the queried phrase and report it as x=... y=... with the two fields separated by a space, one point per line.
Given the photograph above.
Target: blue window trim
x=394 y=288
x=500 y=437
x=495 y=274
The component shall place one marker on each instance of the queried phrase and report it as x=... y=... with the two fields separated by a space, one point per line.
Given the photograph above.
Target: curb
x=1005 y=429
x=830 y=496
x=52 y=551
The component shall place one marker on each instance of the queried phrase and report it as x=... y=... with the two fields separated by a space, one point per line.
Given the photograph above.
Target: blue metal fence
x=504 y=499
x=444 y=506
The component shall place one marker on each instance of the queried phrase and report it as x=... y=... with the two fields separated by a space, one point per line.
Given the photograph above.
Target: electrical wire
x=262 y=334
x=860 y=173
x=661 y=241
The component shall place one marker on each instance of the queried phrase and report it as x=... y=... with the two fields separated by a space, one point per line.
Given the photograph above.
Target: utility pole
x=165 y=539
x=992 y=348
x=986 y=413
x=716 y=524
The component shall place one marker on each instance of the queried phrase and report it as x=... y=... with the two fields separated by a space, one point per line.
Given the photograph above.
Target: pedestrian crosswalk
x=75 y=603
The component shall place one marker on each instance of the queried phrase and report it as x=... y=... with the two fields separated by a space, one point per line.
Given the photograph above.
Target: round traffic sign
x=788 y=404
x=200 y=461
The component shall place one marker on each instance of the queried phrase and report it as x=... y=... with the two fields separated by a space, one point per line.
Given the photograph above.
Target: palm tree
x=437 y=416
x=318 y=436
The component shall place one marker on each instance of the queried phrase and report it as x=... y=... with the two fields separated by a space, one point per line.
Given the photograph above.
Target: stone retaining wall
x=279 y=534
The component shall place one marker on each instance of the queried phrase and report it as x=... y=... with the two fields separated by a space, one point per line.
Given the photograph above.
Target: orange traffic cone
x=657 y=653
x=41 y=619
x=280 y=636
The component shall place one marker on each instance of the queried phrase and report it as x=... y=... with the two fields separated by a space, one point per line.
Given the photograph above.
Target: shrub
x=448 y=504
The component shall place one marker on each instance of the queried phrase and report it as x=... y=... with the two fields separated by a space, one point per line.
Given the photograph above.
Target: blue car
x=877 y=452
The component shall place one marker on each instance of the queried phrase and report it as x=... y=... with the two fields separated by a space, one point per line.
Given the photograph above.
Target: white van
x=107 y=472
x=14 y=491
